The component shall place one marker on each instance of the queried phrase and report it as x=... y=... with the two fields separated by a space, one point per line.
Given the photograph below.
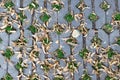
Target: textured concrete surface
x=59 y=55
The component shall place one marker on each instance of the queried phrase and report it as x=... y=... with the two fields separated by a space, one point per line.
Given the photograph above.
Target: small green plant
x=36 y=53
x=33 y=5
x=9 y=4
x=25 y=40
x=104 y=5
x=45 y=67
x=45 y=17
x=86 y=77
x=60 y=53
x=96 y=40
x=33 y=29
x=56 y=7
x=8 y=77
x=8 y=53
x=58 y=78
x=118 y=41
x=83 y=53
x=93 y=17
x=69 y=17
x=81 y=5
x=46 y=41
x=108 y=28
x=117 y=17
x=99 y=65
x=110 y=53
x=72 y=65
x=21 y=16
x=21 y=41
x=19 y=66
x=72 y=40
x=59 y=29
x=33 y=77
x=9 y=28
x=107 y=78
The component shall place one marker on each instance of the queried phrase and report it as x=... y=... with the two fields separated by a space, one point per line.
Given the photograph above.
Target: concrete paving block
x=42 y=55
x=39 y=70
x=2 y=73
x=115 y=47
x=103 y=75
x=66 y=34
x=3 y=62
x=87 y=13
x=113 y=36
x=111 y=10
x=76 y=76
x=14 y=58
x=63 y=12
x=89 y=68
x=65 y=47
x=26 y=2
x=4 y=43
x=78 y=58
x=12 y=71
x=104 y=37
x=28 y=70
x=100 y=13
x=53 y=46
x=80 y=70
x=53 y=36
x=62 y=63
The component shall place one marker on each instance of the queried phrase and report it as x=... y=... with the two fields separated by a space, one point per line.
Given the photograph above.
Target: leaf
x=45 y=67
x=83 y=53
x=9 y=28
x=108 y=78
x=86 y=77
x=33 y=5
x=93 y=17
x=110 y=53
x=68 y=17
x=18 y=66
x=8 y=77
x=45 y=17
x=8 y=53
x=96 y=40
x=107 y=28
x=72 y=65
x=60 y=54
x=117 y=16
x=9 y=4
x=46 y=41
x=57 y=7
x=99 y=65
x=33 y=29
x=21 y=16
x=104 y=5
x=36 y=53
